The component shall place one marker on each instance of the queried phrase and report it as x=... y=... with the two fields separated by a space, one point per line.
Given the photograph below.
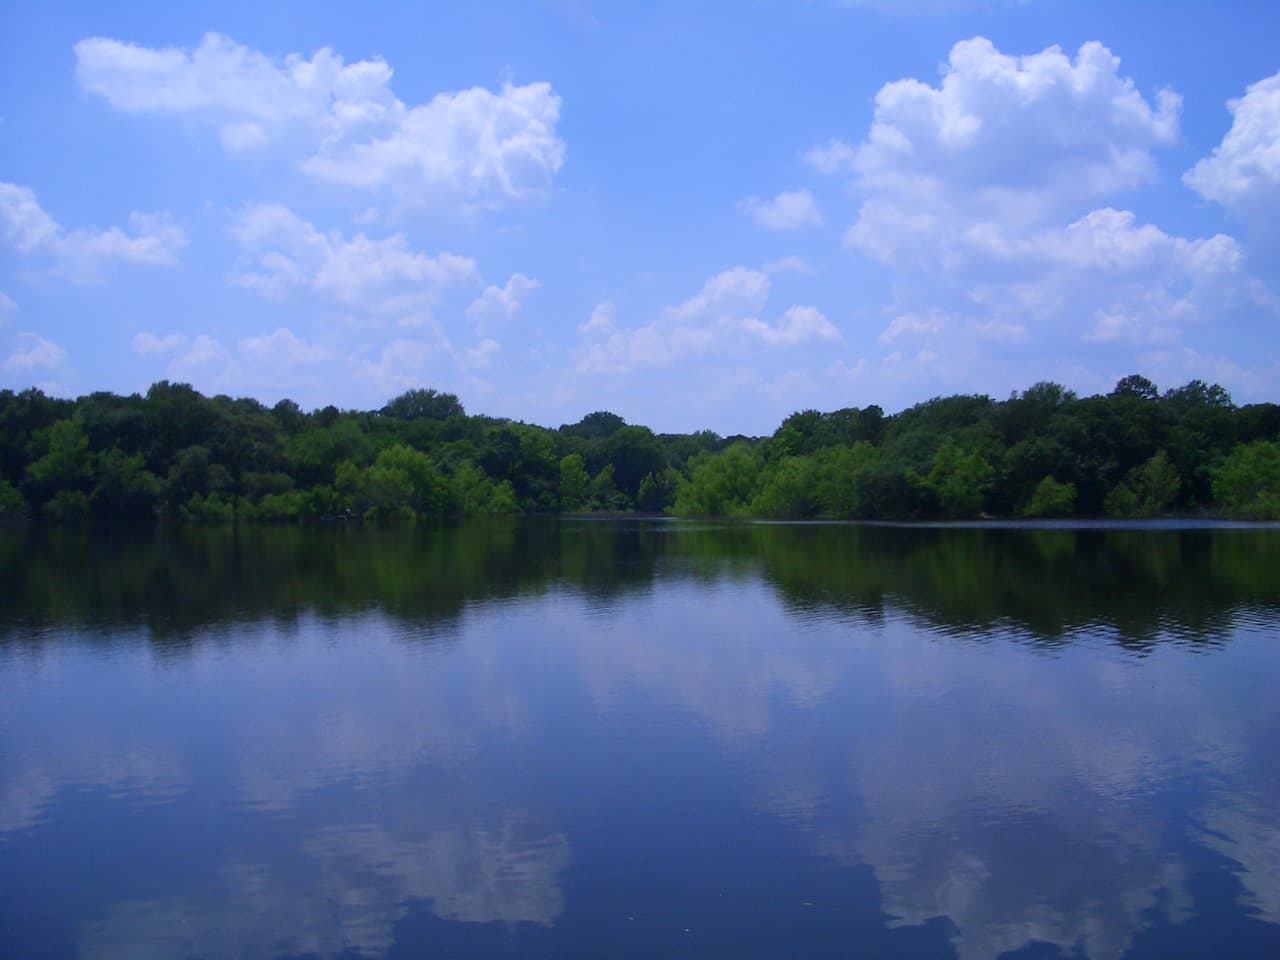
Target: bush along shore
x=1044 y=452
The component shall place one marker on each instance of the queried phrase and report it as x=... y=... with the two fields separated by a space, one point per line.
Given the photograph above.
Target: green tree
x=721 y=484
x=193 y=471
x=1248 y=481
x=595 y=426
x=423 y=404
x=403 y=484
x=789 y=490
x=125 y=488
x=1136 y=386
x=479 y=496
x=177 y=417
x=634 y=453
x=1146 y=491
x=316 y=451
x=12 y=506
x=843 y=489
x=959 y=480
x=604 y=493
x=526 y=457
x=658 y=490
x=64 y=472
x=573 y=482
x=1051 y=499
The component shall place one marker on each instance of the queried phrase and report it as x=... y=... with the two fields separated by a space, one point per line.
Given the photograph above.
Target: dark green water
x=597 y=739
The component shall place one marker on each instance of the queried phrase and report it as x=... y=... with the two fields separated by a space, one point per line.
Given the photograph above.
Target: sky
x=695 y=215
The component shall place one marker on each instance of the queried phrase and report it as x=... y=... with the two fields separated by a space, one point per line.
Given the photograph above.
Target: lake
x=601 y=738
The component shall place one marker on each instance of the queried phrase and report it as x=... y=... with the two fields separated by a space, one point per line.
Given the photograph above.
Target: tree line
x=1043 y=452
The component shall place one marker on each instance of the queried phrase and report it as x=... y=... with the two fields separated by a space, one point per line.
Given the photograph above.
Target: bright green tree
x=959 y=479
x=721 y=484
x=1051 y=499
x=1248 y=481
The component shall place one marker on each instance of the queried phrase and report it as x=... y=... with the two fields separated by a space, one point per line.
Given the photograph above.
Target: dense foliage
x=1044 y=452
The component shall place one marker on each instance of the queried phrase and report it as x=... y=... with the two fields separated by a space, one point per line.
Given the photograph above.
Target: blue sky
x=692 y=214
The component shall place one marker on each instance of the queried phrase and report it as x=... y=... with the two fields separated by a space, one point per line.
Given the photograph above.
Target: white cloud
x=1012 y=139
x=696 y=326
x=722 y=320
x=832 y=157
x=985 y=196
x=475 y=146
x=501 y=303
x=280 y=350
x=149 y=344
x=1101 y=278
x=401 y=364
x=602 y=320
x=382 y=277
x=1109 y=240
x=204 y=362
x=81 y=255
x=25 y=225
x=468 y=148
x=787 y=211
x=790 y=264
x=1179 y=364
x=480 y=357
x=1243 y=174
x=242 y=137
x=912 y=325
x=267 y=364
x=34 y=354
x=799 y=326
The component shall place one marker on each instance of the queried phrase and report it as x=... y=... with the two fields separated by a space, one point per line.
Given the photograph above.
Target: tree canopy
x=1045 y=451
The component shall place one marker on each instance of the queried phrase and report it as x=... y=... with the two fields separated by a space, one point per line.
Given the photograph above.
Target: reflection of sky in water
x=553 y=764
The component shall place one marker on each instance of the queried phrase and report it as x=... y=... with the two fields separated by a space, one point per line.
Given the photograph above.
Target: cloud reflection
x=1024 y=797
x=345 y=890
x=339 y=770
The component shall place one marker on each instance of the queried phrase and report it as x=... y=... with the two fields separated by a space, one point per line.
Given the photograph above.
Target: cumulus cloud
x=799 y=325
x=402 y=364
x=289 y=255
x=281 y=350
x=790 y=264
x=82 y=255
x=205 y=362
x=263 y=364
x=1243 y=173
x=787 y=211
x=149 y=344
x=497 y=304
x=469 y=148
x=831 y=157
x=1013 y=139
x=481 y=356
x=25 y=225
x=694 y=327
x=722 y=318
x=34 y=354
x=603 y=320
x=985 y=196
x=473 y=145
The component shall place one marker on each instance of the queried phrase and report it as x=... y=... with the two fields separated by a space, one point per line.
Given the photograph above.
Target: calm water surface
x=619 y=739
